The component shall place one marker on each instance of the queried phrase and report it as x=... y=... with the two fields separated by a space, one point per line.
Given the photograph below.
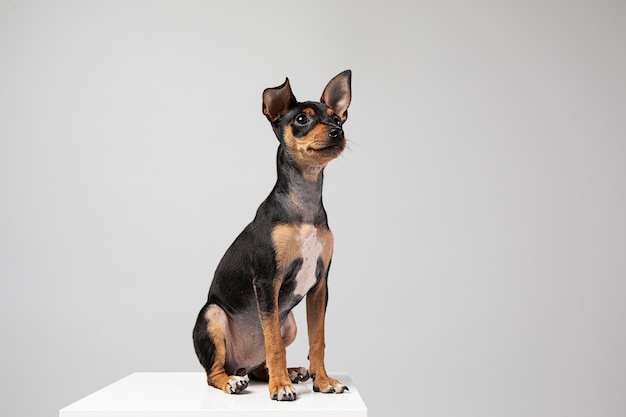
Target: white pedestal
x=186 y=394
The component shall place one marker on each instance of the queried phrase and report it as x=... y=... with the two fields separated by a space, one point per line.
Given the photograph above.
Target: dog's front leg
x=280 y=386
x=316 y=302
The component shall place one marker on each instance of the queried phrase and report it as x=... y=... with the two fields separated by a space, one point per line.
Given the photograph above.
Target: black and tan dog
x=282 y=256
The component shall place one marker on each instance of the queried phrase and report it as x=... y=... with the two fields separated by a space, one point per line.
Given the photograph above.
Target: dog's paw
x=237 y=384
x=328 y=385
x=296 y=375
x=283 y=393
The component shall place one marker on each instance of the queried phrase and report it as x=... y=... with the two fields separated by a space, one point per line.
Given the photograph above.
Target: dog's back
x=282 y=256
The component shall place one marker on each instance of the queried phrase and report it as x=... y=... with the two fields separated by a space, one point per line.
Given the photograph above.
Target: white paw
x=237 y=384
x=298 y=374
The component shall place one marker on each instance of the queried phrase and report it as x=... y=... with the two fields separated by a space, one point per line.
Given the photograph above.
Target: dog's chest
x=310 y=250
x=302 y=253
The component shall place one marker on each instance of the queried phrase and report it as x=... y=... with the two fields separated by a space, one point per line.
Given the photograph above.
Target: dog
x=281 y=257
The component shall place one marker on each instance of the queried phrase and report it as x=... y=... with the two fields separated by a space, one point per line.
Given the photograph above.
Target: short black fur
x=246 y=280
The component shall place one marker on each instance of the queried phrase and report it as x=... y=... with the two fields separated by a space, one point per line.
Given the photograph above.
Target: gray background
x=480 y=258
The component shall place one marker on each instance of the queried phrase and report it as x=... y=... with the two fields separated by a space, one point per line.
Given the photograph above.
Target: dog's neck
x=300 y=190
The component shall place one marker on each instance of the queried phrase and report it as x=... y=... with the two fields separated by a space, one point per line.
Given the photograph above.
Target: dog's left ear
x=338 y=93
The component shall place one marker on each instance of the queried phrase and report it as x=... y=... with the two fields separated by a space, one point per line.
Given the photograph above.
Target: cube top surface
x=187 y=394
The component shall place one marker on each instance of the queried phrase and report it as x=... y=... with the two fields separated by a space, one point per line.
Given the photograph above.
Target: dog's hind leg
x=295 y=374
x=209 y=339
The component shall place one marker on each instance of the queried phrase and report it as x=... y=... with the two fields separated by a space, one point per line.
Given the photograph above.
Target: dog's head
x=310 y=132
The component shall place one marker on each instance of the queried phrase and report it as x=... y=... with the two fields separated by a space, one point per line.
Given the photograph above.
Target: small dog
x=282 y=256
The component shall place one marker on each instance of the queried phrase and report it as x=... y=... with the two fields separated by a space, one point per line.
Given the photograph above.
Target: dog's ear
x=338 y=93
x=277 y=100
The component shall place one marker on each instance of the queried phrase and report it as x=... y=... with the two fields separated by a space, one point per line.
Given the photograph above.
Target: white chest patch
x=310 y=248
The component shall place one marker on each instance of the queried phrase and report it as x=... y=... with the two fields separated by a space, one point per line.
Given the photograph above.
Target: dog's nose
x=335 y=133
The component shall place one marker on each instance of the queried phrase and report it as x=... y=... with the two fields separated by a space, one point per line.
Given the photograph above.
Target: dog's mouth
x=336 y=148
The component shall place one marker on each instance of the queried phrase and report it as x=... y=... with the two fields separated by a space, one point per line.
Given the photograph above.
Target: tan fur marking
x=318 y=137
x=288 y=241
x=285 y=238
x=310 y=151
x=316 y=311
x=289 y=331
x=217 y=375
x=328 y=241
x=276 y=354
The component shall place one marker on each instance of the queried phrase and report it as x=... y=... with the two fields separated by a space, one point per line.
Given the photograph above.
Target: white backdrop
x=480 y=257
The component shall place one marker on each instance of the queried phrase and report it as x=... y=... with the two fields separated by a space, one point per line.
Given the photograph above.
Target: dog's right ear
x=277 y=100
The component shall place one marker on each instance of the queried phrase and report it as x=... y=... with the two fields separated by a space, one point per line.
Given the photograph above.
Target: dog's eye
x=302 y=119
x=337 y=120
